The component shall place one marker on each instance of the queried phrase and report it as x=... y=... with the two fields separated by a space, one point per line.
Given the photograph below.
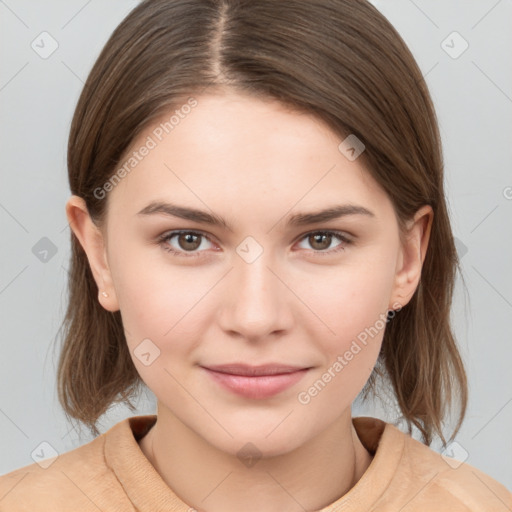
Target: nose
x=256 y=304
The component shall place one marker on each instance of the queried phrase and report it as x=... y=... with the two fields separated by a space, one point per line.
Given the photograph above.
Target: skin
x=254 y=163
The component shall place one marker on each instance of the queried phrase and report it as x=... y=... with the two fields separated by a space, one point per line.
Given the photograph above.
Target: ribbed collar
x=149 y=493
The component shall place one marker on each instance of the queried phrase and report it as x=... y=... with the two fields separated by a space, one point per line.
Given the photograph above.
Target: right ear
x=92 y=241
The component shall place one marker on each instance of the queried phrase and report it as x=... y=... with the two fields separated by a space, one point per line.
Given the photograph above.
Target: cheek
x=349 y=300
x=160 y=302
x=156 y=305
x=355 y=316
x=156 y=310
x=350 y=308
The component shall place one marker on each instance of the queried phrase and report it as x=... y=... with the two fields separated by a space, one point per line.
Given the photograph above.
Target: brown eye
x=320 y=241
x=189 y=241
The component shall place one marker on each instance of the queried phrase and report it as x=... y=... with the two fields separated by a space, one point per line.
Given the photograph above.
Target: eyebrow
x=296 y=220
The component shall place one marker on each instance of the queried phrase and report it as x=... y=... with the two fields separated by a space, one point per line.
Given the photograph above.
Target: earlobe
x=92 y=241
x=412 y=255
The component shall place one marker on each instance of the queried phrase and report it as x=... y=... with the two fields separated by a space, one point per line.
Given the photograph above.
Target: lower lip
x=263 y=386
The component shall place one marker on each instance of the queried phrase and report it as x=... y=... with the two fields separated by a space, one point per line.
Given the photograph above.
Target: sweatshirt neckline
x=148 y=492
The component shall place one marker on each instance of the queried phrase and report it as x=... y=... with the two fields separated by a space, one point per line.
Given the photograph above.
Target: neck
x=206 y=478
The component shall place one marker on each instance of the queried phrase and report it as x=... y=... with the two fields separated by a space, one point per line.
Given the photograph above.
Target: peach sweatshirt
x=111 y=474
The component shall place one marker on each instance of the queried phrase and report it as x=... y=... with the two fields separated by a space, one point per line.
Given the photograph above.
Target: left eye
x=190 y=241
x=323 y=239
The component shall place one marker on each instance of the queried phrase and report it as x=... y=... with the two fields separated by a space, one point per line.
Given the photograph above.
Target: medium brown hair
x=339 y=60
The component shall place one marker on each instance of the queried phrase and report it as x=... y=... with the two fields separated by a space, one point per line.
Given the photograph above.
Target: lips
x=255 y=382
x=255 y=371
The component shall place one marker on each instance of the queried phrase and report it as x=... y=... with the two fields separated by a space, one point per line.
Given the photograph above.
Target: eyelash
x=167 y=236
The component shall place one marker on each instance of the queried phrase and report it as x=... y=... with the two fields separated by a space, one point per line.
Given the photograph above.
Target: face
x=268 y=286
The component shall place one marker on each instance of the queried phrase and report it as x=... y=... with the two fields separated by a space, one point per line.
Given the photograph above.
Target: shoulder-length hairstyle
x=339 y=60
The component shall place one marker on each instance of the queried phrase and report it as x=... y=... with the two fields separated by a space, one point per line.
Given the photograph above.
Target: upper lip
x=254 y=371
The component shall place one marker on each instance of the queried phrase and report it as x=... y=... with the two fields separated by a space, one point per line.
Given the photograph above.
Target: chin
x=257 y=440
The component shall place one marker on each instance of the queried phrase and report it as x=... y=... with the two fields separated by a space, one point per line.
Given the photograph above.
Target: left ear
x=411 y=257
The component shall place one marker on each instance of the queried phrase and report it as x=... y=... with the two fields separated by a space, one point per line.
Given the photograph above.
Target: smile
x=255 y=382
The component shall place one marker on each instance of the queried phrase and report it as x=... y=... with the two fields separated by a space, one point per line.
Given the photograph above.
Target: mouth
x=255 y=382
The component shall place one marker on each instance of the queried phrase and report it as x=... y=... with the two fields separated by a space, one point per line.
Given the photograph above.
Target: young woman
x=259 y=234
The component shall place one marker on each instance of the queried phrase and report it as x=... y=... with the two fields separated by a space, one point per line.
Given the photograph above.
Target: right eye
x=189 y=241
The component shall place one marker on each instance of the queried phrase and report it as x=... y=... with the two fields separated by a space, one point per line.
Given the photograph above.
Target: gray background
x=472 y=92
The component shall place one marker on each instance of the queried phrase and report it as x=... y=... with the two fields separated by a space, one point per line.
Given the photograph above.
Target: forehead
x=237 y=150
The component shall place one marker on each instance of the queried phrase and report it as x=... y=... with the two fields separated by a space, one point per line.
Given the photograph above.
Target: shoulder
x=443 y=483
x=80 y=477
x=409 y=476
